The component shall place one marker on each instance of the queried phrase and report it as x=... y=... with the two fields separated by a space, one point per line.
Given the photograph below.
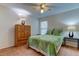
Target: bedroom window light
x=43 y=27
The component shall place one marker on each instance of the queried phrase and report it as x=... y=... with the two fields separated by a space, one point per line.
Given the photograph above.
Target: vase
x=71 y=34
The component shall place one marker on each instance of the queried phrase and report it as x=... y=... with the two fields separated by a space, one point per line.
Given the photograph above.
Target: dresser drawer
x=19 y=43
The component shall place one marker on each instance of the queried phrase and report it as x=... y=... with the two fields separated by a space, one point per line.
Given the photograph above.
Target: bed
x=46 y=44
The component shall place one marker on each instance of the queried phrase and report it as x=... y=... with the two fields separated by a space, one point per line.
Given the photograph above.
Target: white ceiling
x=57 y=8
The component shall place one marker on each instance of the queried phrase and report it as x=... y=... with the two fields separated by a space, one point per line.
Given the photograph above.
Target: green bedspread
x=47 y=43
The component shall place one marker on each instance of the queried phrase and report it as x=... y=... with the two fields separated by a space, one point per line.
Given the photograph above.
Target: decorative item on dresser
x=22 y=33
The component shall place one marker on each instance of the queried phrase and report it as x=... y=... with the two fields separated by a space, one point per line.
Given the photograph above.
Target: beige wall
x=7 y=21
x=61 y=20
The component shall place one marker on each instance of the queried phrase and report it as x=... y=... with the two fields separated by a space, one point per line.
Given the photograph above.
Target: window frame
x=42 y=28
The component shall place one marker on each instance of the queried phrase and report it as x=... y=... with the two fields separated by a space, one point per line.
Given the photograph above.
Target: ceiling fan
x=43 y=7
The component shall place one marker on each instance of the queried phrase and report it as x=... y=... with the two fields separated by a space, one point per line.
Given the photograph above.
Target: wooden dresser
x=22 y=33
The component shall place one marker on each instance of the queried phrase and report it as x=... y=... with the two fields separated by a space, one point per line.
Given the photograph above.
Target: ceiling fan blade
x=32 y=4
x=50 y=6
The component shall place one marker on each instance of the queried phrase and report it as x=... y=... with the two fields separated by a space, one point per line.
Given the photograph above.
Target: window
x=43 y=27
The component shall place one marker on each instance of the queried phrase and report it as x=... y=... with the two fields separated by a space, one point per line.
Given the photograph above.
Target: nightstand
x=71 y=39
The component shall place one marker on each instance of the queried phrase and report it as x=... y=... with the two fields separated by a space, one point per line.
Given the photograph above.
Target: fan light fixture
x=42 y=6
x=42 y=10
